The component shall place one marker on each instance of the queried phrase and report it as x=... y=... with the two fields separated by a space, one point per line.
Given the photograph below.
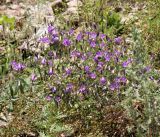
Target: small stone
x=72 y=10
x=74 y=3
x=3 y=7
x=14 y=7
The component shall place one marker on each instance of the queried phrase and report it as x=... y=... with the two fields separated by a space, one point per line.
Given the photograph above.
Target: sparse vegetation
x=94 y=75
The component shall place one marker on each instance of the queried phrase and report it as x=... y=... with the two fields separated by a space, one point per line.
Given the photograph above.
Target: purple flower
x=147 y=68
x=126 y=63
x=87 y=69
x=53 y=89
x=50 y=29
x=43 y=61
x=100 y=64
x=1 y=27
x=102 y=44
x=117 y=53
x=17 y=66
x=69 y=87
x=33 y=77
x=98 y=55
x=123 y=79
x=107 y=57
x=50 y=72
x=66 y=42
x=71 y=31
x=75 y=54
x=50 y=63
x=102 y=36
x=82 y=89
x=117 y=79
x=50 y=53
x=35 y=58
x=45 y=40
x=116 y=59
x=103 y=80
x=68 y=71
x=92 y=75
x=93 y=35
x=93 y=44
x=151 y=78
x=118 y=40
x=120 y=79
x=79 y=37
x=48 y=98
x=83 y=57
x=114 y=86
x=109 y=39
x=58 y=99
x=87 y=33
x=55 y=39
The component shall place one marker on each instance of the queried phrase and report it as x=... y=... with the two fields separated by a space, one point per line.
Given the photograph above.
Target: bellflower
x=50 y=53
x=123 y=79
x=53 y=89
x=92 y=75
x=151 y=78
x=68 y=71
x=98 y=55
x=117 y=53
x=102 y=36
x=55 y=39
x=120 y=79
x=71 y=31
x=45 y=40
x=103 y=80
x=118 y=40
x=93 y=35
x=83 y=57
x=50 y=29
x=75 y=54
x=48 y=98
x=58 y=99
x=79 y=37
x=102 y=44
x=33 y=77
x=147 y=68
x=50 y=63
x=126 y=63
x=87 y=69
x=114 y=86
x=107 y=57
x=50 y=72
x=43 y=61
x=35 y=58
x=82 y=89
x=93 y=44
x=69 y=87
x=100 y=64
x=66 y=42
x=17 y=66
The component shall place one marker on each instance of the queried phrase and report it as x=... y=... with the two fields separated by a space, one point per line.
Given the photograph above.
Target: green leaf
x=11 y=91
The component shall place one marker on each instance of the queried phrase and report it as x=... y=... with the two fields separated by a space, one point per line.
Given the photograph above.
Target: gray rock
x=74 y=3
x=71 y=11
